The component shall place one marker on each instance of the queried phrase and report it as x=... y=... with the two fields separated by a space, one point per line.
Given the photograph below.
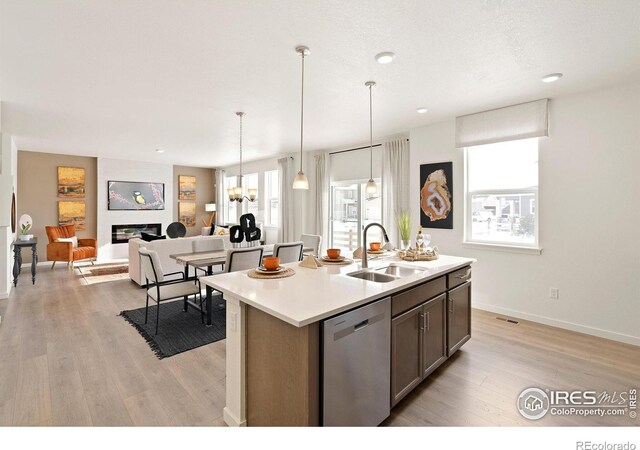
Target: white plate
x=262 y=269
x=339 y=258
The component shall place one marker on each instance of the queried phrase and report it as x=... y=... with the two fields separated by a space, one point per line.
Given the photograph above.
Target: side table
x=17 y=258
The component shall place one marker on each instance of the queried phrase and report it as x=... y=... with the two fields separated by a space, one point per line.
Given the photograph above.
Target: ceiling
x=119 y=79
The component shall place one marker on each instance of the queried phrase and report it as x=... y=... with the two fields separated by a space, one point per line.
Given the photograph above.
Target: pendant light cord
x=240 y=150
x=370 y=134
x=302 y=112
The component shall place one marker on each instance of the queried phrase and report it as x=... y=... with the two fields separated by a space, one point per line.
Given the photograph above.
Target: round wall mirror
x=13 y=212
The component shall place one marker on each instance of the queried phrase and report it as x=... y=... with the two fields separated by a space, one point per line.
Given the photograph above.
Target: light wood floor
x=66 y=358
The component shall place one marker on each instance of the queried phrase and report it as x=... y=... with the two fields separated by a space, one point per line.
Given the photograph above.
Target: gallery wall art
x=70 y=182
x=70 y=212
x=187 y=187
x=436 y=195
x=187 y=214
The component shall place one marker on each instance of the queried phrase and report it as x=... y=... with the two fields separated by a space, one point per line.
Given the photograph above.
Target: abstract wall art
x=187 y=213
x=187 y=187
x=436 y=195
x=72 y=212
x=70 y=182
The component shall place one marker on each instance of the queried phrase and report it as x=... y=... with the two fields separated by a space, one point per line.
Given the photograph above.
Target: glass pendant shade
x=237 y=192
x=300 y=181
x=371 y=187
x=253 y=193
x=231 y=193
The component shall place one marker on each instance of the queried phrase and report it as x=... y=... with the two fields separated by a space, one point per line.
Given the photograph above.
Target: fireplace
x=120 y=234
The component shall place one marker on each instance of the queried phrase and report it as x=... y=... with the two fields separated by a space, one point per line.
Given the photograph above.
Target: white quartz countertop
x=312 y=295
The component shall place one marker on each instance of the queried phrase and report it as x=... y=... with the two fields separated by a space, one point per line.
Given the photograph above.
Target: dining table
x=205 y=261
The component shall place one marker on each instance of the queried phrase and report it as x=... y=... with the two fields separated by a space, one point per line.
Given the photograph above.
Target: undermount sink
x=373 y=276
x=399 y=270
x=386 y=274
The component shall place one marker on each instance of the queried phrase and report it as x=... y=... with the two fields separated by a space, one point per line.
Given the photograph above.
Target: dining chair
x=160 y=289
x=312 y=241
x=243 y=259
x=289 y=252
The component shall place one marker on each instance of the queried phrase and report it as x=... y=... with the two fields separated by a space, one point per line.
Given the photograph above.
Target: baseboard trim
x=231 y=420
x=619 y=337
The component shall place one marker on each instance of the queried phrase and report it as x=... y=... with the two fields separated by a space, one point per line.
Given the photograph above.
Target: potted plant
x=404 y=228
x=24 y=231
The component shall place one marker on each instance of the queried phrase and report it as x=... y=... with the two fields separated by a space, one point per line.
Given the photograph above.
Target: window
x=250 y=181
x=502 y=193
x=352 y=210
x=271 y=192
x=230 y=208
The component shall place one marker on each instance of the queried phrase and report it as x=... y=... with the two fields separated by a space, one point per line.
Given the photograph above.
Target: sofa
x=165 y=248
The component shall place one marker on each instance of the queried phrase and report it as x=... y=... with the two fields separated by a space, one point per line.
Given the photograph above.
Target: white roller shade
x=526 y=120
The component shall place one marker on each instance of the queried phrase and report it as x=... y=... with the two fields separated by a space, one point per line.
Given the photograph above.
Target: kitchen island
x=274 y=332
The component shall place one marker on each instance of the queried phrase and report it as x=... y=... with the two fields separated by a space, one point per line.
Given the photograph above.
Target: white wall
x=8 y=170
x=589 y=219
x=120 y=170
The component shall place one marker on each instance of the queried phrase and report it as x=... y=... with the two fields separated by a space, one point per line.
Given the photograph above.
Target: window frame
x=518 y=247
x=269 y=197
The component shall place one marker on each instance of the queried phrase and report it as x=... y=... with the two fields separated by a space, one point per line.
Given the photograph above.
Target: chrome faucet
x=365 y=263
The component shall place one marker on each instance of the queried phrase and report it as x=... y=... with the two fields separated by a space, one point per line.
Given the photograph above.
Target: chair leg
x=53 y=265
x=157 y=316
x=93 y=262
x=201 y=309
x=146 y=310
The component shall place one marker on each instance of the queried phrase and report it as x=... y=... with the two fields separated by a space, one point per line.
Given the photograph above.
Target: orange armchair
x=64 y=251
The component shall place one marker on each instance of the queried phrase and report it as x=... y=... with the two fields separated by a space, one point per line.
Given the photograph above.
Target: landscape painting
x=187 y=187
x=131 y=195
x=70 y=182
x=187 y=214
x=72 y=213
x=436 y=195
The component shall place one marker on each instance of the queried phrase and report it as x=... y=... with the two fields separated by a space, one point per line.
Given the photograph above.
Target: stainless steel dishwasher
x=356 y=368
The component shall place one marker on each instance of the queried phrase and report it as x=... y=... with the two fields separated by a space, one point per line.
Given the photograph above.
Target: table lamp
x=210 y=207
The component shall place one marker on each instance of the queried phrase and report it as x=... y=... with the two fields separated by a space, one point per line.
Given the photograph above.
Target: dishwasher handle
x=361 y=325
x=350 y=329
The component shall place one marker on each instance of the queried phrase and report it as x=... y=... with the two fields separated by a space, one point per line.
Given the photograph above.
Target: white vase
x=26 y=237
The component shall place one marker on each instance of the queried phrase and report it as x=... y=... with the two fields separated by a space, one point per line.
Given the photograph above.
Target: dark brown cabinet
x=418 y=345
x=434 y=342
x=459 y=317
x=430 y=322
x=406 y=347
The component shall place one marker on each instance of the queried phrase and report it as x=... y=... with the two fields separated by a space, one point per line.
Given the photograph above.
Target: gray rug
x=179 y=331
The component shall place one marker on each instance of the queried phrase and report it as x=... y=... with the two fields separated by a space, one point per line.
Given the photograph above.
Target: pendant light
x=371 y=187
x=301 y=181
x=236 y=194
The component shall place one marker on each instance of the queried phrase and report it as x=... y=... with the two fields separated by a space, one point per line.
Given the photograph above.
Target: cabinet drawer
x=458 y=277
x=413 y=297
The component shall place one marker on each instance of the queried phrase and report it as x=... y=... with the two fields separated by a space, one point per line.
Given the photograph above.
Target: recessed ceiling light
x=421 y=110
x=551 y=77
x=159 y=150
x=385 y=57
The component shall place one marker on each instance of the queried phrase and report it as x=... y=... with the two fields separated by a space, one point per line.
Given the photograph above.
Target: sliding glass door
x=352 y=210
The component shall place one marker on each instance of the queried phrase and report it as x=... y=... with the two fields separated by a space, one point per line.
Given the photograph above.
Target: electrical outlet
x=554 y=293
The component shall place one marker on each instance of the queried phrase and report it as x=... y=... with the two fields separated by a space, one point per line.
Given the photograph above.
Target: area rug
x=104 y=272
x=179 y=331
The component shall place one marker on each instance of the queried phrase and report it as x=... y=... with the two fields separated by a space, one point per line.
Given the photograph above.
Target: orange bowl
x=271 y=262
x=375 y=246
x=333 y=253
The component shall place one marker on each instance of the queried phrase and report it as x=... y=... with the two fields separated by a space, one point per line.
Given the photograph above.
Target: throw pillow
x=72 y=239
x=148 y=237
x=220 y=230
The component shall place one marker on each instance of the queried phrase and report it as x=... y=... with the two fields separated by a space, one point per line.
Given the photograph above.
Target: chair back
x=243 y=259
x=151 y=267
x=312 y=241
x=62 y=231
x=289 y=252
x=208 y=245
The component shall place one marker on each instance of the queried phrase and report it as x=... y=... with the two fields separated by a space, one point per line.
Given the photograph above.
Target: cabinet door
x=459 y=317
x=434 y=344
x=406 y=349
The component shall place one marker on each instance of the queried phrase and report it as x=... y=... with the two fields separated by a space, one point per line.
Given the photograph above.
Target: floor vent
x=515 y=322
